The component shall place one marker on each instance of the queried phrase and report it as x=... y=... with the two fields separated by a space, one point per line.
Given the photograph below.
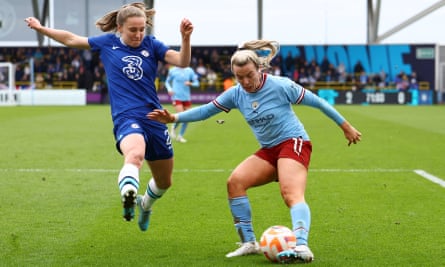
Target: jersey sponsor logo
x=133 y=70
x=262 y=121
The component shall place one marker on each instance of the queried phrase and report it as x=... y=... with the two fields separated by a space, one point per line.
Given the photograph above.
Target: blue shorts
x=158 y=144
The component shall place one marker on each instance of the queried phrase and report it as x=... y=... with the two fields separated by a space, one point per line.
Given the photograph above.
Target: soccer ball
x=275 y=239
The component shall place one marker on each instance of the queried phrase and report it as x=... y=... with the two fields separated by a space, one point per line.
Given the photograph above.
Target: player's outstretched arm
x=65 y=37
x=199 y=113
x=182 y=57
x=162 y=115
x=351 y=134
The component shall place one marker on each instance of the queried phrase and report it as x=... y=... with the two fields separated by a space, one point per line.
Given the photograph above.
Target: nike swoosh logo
x=114 y=47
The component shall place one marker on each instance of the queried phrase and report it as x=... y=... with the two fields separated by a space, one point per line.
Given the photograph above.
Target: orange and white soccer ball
x=275 y=239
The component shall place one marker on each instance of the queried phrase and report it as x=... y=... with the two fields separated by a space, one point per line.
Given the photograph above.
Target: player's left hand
x=352 y=135
x=161 y=115
x=186 y=27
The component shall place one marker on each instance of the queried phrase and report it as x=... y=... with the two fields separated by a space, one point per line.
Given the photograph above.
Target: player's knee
x=135 y=158
x=235 y=186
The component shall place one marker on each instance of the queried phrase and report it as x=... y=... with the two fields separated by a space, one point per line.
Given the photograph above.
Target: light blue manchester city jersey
x=175 y=82
x=269 y=111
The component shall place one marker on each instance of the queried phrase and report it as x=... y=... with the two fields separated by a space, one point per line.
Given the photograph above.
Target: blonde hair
x=259 y=52
x=111 y=20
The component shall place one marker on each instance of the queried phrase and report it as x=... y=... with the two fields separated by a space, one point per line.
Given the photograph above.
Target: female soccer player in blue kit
x=178 y=83
x=131 y=58
x=265 y=102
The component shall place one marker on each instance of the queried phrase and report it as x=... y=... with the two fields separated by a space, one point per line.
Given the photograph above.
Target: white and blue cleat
x=298 y=254
x=144 y=215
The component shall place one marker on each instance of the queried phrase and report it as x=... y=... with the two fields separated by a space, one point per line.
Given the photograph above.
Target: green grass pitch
x=60 y=205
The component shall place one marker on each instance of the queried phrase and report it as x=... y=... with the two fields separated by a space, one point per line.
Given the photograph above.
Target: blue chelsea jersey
x=131 y=73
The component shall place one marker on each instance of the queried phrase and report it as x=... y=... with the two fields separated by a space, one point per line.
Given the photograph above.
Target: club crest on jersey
x=145 y=53
x=255 y=105
x=135 y=126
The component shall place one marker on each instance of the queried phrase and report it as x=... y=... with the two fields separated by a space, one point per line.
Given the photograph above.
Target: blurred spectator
x=402 y=81
x=61 y=64
x=317 y=74
x=312 y=67
x=341 y=69
x=19 y=72
x=85 y=79
x=342 y=77
x=38 y=55
x=214 y=60
x=358 y=68
x=383 y=79
x=303 y=77
x=201 y=68
x=328 y=76
x=413 y=83
x=76 y=62
x=228 y=82
x=87 y=57
x=288 y=65
x=211 y=79
x=324 y=65
x=362 y=80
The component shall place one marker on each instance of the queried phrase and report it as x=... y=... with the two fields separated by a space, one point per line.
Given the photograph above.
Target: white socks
x=128 y=178
x=152 y=194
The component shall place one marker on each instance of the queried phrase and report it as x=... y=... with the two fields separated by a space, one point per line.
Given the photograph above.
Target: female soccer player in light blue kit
x=178 y=83
x=265 y=102
x=131 y=58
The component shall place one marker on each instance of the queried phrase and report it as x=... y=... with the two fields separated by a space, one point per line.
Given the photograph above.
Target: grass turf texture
x=60 y=205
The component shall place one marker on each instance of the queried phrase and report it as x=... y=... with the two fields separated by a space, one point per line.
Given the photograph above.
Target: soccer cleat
x=181 y=139
x=246 y=248
x=172 y=132
x=298 y=254
x=128 y=202
x=144 y=215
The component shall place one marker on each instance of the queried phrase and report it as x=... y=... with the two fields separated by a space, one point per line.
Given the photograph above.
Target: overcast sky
x=228 y=22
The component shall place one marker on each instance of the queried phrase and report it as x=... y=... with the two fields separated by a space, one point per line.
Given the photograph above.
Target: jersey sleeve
x=224 y=102
x=198 y=113
x=159 y=48
x=96 y=42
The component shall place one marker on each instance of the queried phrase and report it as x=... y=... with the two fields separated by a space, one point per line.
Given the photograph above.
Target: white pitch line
x=430 y=177
x=422 y=173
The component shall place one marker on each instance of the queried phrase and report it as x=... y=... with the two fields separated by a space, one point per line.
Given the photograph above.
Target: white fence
x=43 y=97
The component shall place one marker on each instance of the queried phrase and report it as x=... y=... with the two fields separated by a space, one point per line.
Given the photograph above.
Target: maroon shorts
x=295 y=148
x=185 y=104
